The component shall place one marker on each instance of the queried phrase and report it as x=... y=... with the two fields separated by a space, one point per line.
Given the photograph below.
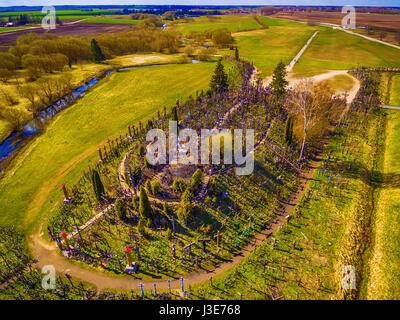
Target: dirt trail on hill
x=350 y=94
x=48 y=254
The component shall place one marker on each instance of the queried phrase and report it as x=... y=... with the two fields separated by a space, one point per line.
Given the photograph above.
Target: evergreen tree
x=279 y=81
x=98 y=187
x=186 y=207
x=219 y=81
x=96 y=51
x=236 y=54
x=145 y=210
x=120 y=208
x=289 y=130
x=174 y=114
x=196 y=180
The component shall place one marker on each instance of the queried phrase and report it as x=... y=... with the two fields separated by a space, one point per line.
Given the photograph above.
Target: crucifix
x=77 y=228
x=203 y=241
x=219 y=238
x=173 y=225
x=189 y=248
x=141 y=288
x=135 y=235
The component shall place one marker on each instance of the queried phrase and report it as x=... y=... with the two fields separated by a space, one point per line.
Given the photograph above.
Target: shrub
x=148 y=186
x=141 y=150
x=145 y=210
x=186 y=207
x=120 y=208
x=135 y=201
x=155 y=188
x=98 y=187
x=136 y=174
x=179 y=185
x=205 y=229
x=140 y=227
x=196 y=180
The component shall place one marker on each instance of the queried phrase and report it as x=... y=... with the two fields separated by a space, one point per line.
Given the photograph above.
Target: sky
x=393 y=3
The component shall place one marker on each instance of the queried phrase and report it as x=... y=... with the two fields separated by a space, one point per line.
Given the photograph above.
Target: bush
x=135 y=201
x=196 y=180
x=221 y=37
x=179 y=185
x=136 y=174
x=140 y=227
x=141 y=150
x=120 y=208
x=155 y=188
x=148 y=186
x=145 y=210
x=186 y=207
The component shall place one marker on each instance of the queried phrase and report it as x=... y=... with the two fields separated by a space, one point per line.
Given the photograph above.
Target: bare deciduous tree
x=313 y=107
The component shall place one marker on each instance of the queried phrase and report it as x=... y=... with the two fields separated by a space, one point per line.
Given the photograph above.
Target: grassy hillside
x=395 y=91
x=70 y=141
x=232 y=23
x=265 y=48
x=79 y=74
x=110 y=20
x=337 y=50
x=384 y=282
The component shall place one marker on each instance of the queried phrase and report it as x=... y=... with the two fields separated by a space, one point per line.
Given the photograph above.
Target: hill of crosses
x=198 y=154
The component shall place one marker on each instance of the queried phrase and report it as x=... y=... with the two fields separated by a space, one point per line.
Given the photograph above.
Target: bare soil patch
x=76 y=30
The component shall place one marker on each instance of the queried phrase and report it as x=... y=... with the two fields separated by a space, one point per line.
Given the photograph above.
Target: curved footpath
x=48 y=254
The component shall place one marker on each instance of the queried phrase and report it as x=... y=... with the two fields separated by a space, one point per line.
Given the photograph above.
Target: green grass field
x=337 y=50
x=58 y=156
x=8 y=29
x=4 y=129
x=340 y=82
x=232 y=23
x=266 y=47
x=81 y=73
x=384 y=281
x=110 y=20
x=395 y=91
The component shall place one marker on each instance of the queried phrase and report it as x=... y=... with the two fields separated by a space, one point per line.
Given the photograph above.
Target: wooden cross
x=219 y=238
x=204 y=243
x=173 y=225
x=189 y=247
x=135 y=235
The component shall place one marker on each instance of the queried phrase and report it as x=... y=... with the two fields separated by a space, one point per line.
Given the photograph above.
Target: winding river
x=16 y=140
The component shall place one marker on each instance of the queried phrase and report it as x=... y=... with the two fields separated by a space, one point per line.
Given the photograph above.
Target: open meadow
x=267 y=47
x=233 y=23
x=72 y=138
x=301 y=203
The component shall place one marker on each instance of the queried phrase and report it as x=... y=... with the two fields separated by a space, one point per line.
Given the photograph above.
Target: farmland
x=266 y=47
x=232 y=23
x=336 y=50
x=376 y=23
x=76 y=148
x=91 y=194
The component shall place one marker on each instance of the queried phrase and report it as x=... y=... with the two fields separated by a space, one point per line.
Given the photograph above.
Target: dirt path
x=298 y=56
x=48 y=254
x=338 y=27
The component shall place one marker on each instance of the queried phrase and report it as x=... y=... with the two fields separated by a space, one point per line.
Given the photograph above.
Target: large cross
x=135 y=235
x=203 y=241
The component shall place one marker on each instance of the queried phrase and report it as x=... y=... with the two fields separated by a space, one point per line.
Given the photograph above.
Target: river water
x=16 y=140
